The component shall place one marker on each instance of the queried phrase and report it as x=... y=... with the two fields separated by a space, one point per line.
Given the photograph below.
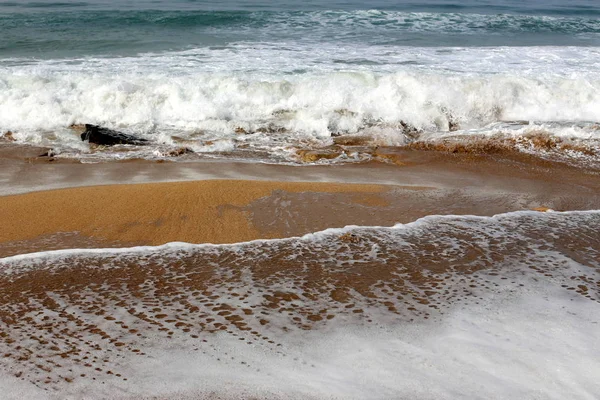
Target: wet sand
x=194 y=318
x=48 y=205
x=153 y=214
x=202 y=322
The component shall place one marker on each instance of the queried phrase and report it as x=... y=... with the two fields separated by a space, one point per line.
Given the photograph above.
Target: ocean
x=259 y=81
x=452 y=107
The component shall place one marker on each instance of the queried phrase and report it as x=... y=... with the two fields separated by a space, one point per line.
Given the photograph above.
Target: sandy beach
x=84 y=319
x=70 y=205
x=213 y=211
x=311 y=200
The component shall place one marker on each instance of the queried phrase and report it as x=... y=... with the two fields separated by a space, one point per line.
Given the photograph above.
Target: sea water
x=268 y=79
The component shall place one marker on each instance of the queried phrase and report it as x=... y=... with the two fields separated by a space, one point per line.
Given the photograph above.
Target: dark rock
x=107 y=137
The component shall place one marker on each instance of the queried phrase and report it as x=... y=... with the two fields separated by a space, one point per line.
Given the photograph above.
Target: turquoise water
x=69 y=28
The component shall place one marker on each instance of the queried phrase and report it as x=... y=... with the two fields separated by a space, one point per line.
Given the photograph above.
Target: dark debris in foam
x=87 y=317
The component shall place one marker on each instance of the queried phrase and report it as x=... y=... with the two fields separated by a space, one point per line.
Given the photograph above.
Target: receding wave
x=272 y=307
x=434 y=226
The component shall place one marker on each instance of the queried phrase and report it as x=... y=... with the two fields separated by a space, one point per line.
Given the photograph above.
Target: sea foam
x=297 y=96
x=486 y=310
x=192 y=91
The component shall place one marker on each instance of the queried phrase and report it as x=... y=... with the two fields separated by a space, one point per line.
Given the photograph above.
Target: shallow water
x=506 y=305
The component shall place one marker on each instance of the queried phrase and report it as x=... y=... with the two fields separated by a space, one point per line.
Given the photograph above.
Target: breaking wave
x=315 y=104
x=276 y=113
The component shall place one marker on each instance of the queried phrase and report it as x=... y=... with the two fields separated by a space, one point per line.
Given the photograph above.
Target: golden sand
x=152 y=214
x=87 y=319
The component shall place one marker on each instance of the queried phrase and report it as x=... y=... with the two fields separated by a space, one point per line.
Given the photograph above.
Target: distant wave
x=374 y=20
x=42 y=4
x=76 y=31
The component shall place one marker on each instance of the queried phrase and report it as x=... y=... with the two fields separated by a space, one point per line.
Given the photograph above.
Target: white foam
x=520 y=333
x=211 y=93
x=537 y=343
x=12 y=387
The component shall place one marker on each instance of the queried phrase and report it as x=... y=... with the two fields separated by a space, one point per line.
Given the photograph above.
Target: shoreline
x=23 y=170
x=85 y=252
x=47 y=206
x=126 y=322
